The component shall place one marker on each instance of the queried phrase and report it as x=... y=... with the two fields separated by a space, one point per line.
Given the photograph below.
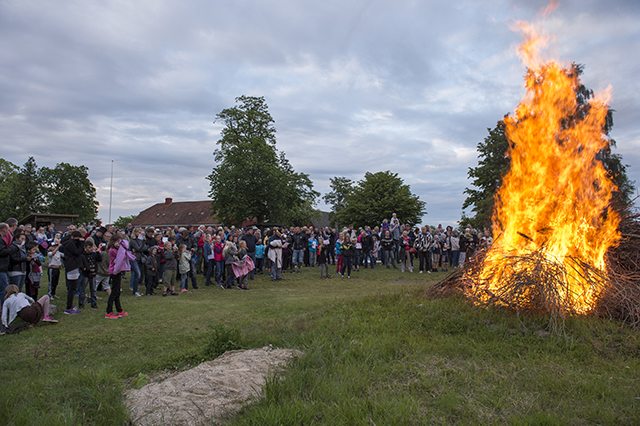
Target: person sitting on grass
x=20 y=305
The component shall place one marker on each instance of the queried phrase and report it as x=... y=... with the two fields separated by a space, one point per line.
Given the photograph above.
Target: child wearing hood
x=151 y=266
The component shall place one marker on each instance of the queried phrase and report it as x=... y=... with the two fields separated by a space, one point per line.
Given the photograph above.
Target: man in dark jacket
x=367 y=249
x=73 y=249
x=300 y=242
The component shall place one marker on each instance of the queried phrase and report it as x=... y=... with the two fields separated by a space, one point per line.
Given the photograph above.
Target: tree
x=376 y=197
x=62 y=190
x=67 y=189
x=494 y=163
x=341 y=187
x=251 y=178
x=121 y=221
x=28 y=190
x=8 y=179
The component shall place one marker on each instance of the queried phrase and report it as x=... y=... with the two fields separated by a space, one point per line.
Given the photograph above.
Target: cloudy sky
x=355 y=86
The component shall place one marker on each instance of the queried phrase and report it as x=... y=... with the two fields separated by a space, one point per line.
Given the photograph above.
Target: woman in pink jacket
x=119 y=258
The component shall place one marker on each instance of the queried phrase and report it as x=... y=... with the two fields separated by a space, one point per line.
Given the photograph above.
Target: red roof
x=183 y=213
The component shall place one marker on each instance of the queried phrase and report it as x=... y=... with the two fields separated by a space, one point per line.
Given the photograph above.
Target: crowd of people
x=95 y=257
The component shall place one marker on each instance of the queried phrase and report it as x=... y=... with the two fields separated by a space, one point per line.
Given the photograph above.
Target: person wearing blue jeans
x=300 y=242
x=134 y=282
x=138 y=247
x=73 y=249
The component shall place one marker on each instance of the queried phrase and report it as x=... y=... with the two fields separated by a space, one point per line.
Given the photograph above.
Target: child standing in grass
x=118 y=258
x=313 y=250
x=34 y=269
x=151 y=267
x=208 y=257
x=55 y=262
x=229 y=254
x=247 y=267
x=339 y=243
x=170 y=266
x=348 y=250
x=323 y=254
x=90 y=260
x=259 y=255
x=185 y=266
x=218 y=258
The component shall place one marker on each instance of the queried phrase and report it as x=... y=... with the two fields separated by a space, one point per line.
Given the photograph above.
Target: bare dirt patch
x=211 y=393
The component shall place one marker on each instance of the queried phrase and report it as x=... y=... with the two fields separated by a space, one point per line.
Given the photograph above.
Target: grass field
x=375 y=352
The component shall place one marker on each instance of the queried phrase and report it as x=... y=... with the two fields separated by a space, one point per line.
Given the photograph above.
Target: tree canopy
x=251 y=178
x=341 y=187
x=494 y=163
x=122 y=221
x=65 y=189
x=373 y=199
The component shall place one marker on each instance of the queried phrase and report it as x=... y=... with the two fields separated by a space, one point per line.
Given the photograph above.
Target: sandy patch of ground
x=210 y=393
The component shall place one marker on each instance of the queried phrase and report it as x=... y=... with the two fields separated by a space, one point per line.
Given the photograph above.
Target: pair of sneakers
x=72 y=311
x=115 y=315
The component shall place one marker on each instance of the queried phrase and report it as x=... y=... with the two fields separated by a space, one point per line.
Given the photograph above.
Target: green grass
x=375 y=352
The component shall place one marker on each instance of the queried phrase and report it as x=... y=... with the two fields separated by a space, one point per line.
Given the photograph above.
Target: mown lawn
x=375 y=352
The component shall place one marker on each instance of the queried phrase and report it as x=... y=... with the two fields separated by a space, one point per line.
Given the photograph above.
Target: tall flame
x=554 y=200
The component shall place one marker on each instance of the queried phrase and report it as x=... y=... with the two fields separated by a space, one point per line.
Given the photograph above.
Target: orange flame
x=556 y=195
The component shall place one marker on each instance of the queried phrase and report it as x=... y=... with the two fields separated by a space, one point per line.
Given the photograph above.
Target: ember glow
x=554 y=200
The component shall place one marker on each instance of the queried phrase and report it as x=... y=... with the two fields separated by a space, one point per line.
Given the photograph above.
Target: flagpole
x=111 y=192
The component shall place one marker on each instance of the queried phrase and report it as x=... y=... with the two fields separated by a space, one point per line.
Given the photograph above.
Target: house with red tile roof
x=178 y=214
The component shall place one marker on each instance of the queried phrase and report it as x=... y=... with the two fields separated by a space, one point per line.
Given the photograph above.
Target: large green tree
x=28 y=189
x=67 y=189
x=376 y=197
x=494 y=163
x=251 y=178
x=8 y=196
x=341 y=187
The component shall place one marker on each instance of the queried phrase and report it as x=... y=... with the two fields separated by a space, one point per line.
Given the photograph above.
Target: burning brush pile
x=560 y=249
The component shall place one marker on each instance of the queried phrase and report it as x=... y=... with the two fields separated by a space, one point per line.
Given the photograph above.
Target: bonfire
x=554 y=226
